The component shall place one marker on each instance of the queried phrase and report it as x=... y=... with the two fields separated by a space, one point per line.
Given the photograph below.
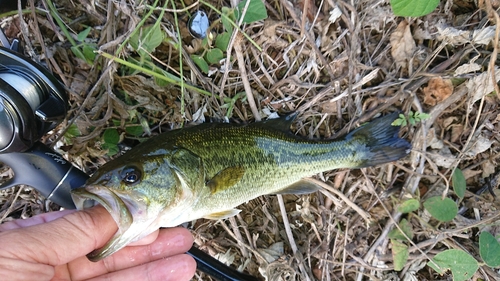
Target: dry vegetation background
x=339 y=64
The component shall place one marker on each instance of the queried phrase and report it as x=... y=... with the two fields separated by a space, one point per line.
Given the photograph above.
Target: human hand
x=53 y=246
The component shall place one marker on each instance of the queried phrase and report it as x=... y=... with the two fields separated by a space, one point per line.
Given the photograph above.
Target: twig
x=7 y=212
x=394 y=219
x=291 y=240
x=237 y=233
x=309 y=38
x=241 y=243
x=351 y=204
x=244 y=76
x=493 y=14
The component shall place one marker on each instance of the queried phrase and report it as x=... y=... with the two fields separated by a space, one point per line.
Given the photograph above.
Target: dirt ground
x=338 y=64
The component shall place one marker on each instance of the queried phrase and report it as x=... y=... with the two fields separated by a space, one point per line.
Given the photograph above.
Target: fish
x=206 y=171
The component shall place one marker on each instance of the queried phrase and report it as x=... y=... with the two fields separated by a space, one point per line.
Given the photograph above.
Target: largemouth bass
x=207 y=170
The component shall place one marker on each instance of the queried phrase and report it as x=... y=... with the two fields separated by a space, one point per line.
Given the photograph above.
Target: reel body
x=32 y=101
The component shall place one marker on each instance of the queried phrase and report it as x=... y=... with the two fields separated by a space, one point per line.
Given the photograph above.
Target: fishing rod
x=32 y=102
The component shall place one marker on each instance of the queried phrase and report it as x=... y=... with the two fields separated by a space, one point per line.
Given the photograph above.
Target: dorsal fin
x=281 y=124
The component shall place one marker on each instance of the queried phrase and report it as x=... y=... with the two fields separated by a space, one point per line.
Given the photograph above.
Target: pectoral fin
x=225 y=179
x=300 y=187
x=223 y=214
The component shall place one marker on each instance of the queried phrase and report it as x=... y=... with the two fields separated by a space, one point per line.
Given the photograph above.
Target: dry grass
x=336 y=74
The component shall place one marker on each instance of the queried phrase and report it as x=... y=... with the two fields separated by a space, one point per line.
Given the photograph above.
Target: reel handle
x=45 y=170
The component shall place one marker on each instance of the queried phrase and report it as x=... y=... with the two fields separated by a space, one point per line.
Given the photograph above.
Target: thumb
x=61 y=240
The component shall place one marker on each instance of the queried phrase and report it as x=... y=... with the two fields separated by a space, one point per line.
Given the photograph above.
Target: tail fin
x=382 y=141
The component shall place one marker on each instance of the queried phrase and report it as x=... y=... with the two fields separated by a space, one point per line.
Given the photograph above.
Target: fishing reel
x=32 y=102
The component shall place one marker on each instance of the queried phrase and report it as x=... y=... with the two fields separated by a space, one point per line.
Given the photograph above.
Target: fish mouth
x=89 y=196
x=120 y=210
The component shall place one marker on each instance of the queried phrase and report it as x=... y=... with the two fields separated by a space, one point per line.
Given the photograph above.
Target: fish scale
x=207 y=170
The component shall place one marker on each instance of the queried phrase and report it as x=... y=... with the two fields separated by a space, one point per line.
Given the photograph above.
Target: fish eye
x=131 y=175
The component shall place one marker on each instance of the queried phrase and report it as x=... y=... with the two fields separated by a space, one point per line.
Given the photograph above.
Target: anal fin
x=223 y=214
x=300 y=187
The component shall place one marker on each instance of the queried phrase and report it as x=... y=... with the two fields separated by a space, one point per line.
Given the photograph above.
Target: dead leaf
x=312 y=10
x=403 y=45
x=270 y=36
x=488 y=168
x=469 y=173
x=379 y=17
x=437 y=90
x=335 y=14
x=273 y=252
x=442 y=158
x=449 y=121
x=456 y=131
x=199 y=115
x=140 y=89
x=226 y=258
x=480 y=86
x=432 y=141
x=483 y=36
x=329 y=107
x=467 y=68
x=454 y=36
x=480 y=145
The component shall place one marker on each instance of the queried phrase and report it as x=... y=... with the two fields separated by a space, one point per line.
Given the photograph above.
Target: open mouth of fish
x=89 y=196
x=121 y=209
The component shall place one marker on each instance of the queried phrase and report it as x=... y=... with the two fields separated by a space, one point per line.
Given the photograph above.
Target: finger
x=176 y=268
x=170 y=242
x=23 y=270
x=38 y=219
x=61 y=240
x=146 y=240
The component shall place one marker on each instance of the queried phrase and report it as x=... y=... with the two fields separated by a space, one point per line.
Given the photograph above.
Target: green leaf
x=256 y=11
x=111 y=136
x=201 y=63
x=412 y=8
x=405 y=226
x=88 y=52
x=160 y=82
x=110 y=139
x=111 y=148
x=83 y=35
x=213 y=56
x=411 y=118
x=489 y=249
x=78 y=53
x=147 y=39
x=459 y=184
x=409 y=206
x=421 y=116
x=134 y=130
x=72 y=131
x=462 y=265
x=400 y=254
x=401 y=121
x=226 y=20
x=222 y=40
x=442 y=210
